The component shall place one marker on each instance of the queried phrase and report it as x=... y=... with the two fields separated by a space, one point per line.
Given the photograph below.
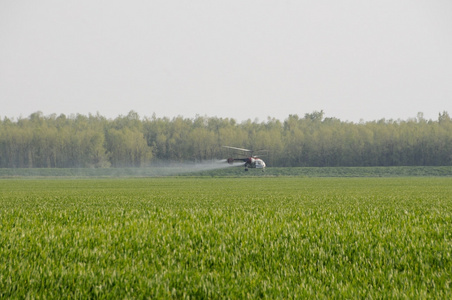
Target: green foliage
x=329 y=172
x=226 y=238
x=312 y=141
x=238 y=171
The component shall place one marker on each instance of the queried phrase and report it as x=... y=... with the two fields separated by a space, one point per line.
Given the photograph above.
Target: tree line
x=60 y=141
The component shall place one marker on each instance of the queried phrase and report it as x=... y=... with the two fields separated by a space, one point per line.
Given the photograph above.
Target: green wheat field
x=216 y=238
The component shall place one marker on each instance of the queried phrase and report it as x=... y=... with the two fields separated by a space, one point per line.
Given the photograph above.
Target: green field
x=188 y=237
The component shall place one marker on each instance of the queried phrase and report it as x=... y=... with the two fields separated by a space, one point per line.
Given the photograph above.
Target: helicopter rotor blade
x=240 y=149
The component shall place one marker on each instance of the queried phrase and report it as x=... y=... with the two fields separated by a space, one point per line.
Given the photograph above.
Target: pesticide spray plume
x=156 y=169
x=163 y=168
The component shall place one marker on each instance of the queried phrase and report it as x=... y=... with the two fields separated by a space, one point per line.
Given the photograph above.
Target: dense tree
x=93 y=141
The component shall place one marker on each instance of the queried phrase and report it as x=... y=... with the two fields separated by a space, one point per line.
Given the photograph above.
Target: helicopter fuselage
x=255 y=162
x=250 y=162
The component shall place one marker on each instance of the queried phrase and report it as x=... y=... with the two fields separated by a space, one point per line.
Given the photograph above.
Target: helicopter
x=253 y=161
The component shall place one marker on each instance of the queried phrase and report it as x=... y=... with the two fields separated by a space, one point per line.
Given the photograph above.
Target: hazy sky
x=354 y=59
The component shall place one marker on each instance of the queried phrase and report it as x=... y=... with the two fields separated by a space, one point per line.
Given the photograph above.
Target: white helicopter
x=252 y=161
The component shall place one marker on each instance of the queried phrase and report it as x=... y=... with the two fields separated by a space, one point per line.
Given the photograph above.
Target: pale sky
x=353 y=59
